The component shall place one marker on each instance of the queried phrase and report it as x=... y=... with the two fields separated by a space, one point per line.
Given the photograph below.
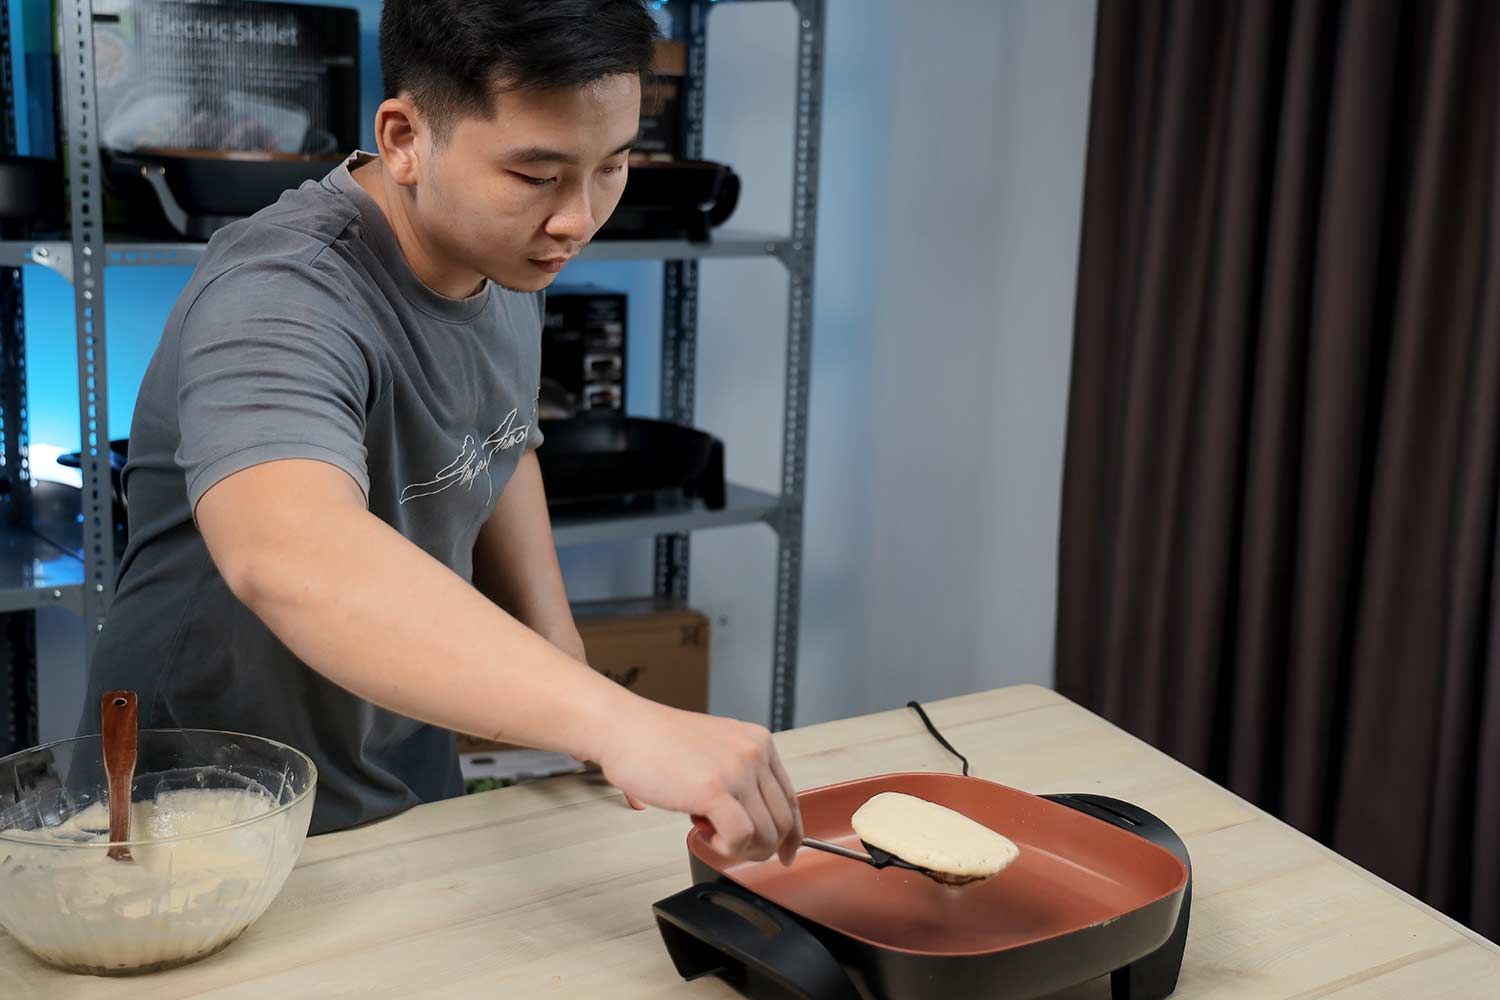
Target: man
x=339 y=537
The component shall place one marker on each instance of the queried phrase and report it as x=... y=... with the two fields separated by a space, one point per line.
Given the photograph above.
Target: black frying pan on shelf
x=200 y=191
x=609 y=460
x=31 y=194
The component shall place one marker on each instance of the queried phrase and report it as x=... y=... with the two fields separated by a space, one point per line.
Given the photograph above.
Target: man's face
x=518 y=195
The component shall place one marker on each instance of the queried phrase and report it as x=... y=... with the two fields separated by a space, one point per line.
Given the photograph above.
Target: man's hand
x=722 y=769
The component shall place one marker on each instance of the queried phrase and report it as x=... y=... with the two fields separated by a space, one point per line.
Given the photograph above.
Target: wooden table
x=546 y=890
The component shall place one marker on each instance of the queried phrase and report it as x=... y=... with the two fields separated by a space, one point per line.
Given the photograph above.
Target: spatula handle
x=842 y=851
x=117 y=715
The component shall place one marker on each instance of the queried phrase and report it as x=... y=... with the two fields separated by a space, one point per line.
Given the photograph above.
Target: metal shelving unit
x=36 y=572
x=58 y=255
x=743 y=506
x=32 y=572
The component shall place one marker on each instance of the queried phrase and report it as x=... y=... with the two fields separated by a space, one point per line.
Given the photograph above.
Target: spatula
x=876 y=858
x=117 y=715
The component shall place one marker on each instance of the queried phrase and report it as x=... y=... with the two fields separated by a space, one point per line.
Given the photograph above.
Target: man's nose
x=573 y=221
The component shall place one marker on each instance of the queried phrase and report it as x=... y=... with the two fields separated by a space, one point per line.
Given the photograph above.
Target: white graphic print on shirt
x=473 y=461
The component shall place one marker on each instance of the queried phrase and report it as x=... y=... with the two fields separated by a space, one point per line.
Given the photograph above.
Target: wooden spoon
x=117 y=713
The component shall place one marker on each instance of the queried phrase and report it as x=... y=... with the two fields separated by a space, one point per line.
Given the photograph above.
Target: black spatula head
x=885 y=859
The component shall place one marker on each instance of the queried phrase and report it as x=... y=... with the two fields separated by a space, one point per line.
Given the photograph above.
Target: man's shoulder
x=290 y=239
x=286 y=257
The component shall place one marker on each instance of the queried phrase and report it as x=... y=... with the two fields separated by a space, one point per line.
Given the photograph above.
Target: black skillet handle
x=1153 y=977
x=720 y=927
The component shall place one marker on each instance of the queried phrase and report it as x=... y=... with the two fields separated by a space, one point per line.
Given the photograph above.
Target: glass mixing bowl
x=217 y=822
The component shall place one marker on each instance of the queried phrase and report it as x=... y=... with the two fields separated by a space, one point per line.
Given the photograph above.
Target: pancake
x=933 y=837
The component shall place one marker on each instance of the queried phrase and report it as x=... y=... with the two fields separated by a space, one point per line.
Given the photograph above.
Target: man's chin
x=523 y=283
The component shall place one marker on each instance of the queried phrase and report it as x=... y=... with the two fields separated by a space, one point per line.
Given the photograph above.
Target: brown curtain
x=1282 y=479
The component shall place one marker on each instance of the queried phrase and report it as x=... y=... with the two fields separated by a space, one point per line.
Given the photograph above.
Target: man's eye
x=534 y=181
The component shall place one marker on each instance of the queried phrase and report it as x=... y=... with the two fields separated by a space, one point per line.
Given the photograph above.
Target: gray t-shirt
x=304 y=334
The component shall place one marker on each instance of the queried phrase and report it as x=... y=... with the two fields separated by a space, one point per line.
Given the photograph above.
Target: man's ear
x=401 y=137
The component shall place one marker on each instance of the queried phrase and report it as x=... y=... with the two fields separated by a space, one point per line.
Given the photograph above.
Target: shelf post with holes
x=14 y=461
x=18 y=699
x=81 y=136
x=679 y=333
x=799 y=260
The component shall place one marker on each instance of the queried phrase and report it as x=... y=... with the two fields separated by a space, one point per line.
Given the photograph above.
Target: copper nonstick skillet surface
x=1074 y=872
x=1091 y=894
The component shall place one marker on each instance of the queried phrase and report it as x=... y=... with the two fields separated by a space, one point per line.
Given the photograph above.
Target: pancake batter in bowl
x=196 y=882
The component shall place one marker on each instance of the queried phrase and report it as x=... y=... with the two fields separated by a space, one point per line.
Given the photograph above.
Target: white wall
x=953 y=151
x=972 y=348
x=952 y=180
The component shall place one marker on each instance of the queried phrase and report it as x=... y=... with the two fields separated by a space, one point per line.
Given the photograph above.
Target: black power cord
x=922 y=714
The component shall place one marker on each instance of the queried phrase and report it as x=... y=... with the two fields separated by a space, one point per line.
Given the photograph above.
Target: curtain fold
x=1282 y=481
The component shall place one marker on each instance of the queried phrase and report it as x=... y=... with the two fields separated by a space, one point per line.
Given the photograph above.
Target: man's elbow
x=257 y=561
x=249 y=572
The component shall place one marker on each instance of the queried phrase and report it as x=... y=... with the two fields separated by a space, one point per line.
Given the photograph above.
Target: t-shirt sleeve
x=269 y=370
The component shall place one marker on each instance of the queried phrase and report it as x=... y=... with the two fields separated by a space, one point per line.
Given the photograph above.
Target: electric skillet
x=1101 y=888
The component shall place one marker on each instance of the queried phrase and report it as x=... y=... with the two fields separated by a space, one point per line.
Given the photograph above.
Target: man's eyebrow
x=541 y=154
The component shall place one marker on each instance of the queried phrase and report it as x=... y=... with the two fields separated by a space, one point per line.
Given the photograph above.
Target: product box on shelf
x=583 y=351
x=210 y=109
x=245 y=76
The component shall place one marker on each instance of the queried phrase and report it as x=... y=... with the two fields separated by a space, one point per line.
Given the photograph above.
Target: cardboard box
x=658 y=649
x=661 y=103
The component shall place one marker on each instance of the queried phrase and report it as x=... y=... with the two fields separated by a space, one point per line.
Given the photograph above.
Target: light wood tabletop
x=545 y=890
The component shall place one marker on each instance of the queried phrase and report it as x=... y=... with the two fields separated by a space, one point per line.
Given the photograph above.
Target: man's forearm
x=375 y=614
x=515 y=560
x=378 y=616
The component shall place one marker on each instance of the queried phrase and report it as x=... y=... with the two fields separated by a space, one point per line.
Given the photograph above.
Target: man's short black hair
x=453 y=56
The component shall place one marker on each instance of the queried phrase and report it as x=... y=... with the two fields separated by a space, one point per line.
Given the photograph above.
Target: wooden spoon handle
x=117 y=713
